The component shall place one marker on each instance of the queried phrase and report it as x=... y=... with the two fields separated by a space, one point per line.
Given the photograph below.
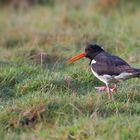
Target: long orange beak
x=77 y=57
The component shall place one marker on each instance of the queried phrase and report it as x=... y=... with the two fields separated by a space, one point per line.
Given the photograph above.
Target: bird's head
x=90 y=52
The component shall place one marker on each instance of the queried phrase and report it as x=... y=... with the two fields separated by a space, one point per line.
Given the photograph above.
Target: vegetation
x=41 y=97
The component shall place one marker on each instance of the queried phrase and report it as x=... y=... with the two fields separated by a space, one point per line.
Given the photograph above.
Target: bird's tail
x=138 y=72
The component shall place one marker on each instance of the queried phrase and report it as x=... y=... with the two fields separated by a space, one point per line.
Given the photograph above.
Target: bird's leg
x=114 y=88
x=109 y=92
x=102 y=88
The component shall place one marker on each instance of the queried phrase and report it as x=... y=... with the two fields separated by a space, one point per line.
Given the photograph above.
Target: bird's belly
x=104 y=78
x=110 y=79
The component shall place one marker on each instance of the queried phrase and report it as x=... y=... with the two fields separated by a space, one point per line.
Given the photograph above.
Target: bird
x=108 y=68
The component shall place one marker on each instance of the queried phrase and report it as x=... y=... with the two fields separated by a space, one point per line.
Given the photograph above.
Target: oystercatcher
x=108 y=68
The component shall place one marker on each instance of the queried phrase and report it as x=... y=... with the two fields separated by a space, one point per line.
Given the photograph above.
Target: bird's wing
x=110 y=64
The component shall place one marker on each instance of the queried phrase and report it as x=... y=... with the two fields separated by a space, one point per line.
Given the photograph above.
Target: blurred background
x=67 y=26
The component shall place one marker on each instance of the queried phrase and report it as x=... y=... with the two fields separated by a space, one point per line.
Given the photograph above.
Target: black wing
x=110 y=64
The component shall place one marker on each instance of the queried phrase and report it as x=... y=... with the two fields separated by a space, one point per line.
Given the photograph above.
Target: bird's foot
x=104 y=88
x=99 y=89
x=108 y=89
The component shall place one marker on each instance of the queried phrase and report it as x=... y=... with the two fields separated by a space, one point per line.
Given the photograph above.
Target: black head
x=92 y=50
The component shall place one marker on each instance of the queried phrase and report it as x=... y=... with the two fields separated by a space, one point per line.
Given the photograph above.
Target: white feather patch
x=93 y=61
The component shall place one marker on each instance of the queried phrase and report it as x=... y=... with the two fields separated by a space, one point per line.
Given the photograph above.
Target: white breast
x=103 y=78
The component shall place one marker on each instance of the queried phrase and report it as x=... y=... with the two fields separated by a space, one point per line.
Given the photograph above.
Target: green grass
x=48 y=99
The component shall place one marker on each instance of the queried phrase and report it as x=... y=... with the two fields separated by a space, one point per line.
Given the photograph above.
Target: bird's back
x=112 y=65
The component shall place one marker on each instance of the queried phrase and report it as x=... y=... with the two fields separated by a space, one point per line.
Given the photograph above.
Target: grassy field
x=41 y=97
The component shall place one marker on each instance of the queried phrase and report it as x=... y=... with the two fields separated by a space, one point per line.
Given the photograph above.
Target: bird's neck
x=93 y=55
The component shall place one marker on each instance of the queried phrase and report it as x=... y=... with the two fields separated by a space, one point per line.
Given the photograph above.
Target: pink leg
x=103 y=88
x=109 y=93
x=114 y=88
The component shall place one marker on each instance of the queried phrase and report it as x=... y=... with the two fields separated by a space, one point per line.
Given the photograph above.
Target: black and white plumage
x=108 y=68
x=112 y=69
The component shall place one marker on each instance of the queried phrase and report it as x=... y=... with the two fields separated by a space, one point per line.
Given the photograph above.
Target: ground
x=41 y=97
